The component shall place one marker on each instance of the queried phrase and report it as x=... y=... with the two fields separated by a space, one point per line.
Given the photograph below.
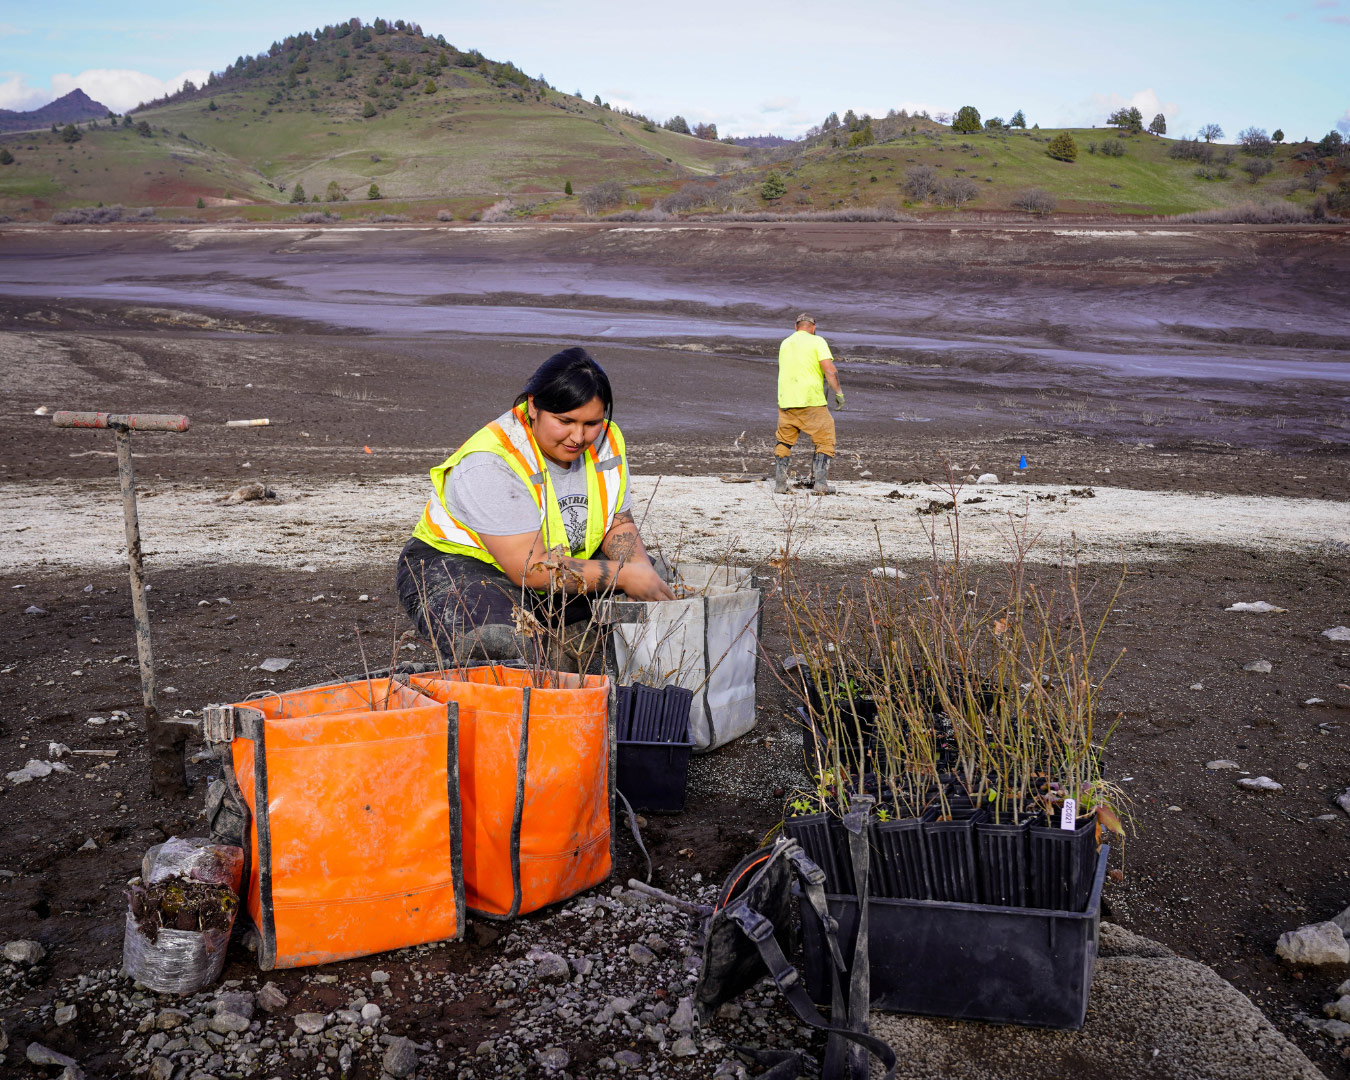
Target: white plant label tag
x=1068 y=815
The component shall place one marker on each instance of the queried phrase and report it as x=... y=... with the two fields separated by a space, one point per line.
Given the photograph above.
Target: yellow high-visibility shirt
x=801 y=382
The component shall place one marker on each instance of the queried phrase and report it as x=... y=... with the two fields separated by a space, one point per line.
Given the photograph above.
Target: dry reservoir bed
x=51 y=525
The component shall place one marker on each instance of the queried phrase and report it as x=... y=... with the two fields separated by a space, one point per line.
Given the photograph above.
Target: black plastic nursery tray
x=653 y=775
x=652 y=763
x=1007 y=965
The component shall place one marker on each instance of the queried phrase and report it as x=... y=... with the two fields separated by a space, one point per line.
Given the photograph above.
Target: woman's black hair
x=567 y=380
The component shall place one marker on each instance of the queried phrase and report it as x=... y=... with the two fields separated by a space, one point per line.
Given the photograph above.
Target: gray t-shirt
x=488 y=497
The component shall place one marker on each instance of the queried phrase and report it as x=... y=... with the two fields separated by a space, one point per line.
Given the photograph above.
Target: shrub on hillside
x=100 y=215
x=1256 y=168
x=1062 y=147
x=6 y=158
x=920 y=182
x=373 y=192
x=773 y=187
x=445 y=215
x=1112 y=148
x=71 y=134
x=956 y=191
x=298 y=193
x=602 y=196
x=1250 y=213
x=314 y=217
x=499 y=211
x=1035 y=201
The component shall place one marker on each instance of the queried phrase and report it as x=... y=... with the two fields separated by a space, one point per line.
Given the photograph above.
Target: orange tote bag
x=352 y=792
x=535 y=783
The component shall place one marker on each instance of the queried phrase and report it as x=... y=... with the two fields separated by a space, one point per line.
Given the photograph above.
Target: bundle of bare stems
x=950 y=684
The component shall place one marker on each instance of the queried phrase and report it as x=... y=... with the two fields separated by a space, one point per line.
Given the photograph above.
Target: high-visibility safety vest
x=510 y=438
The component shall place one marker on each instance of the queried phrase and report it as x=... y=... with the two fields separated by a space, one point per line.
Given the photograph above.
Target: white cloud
x=1098 y=107
x=778 y=104
x=121 y=89
x=10 y=30
x=1343 y=124
x=15 y=93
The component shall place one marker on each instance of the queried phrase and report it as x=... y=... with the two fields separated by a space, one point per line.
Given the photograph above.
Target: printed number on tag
x=1068 y=815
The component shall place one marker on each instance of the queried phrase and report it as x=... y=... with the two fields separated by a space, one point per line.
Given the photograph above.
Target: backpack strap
x=789 y=982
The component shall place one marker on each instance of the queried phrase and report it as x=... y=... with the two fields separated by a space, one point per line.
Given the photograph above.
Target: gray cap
x=805 y=318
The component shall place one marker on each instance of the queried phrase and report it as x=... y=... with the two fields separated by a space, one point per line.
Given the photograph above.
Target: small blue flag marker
x=1023 y=463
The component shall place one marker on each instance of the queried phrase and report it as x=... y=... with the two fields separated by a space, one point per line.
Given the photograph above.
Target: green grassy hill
x=419 y=118
x=440 y=129
x=1144 y=179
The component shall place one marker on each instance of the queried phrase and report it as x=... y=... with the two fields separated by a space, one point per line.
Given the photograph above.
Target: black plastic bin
x=1006 y=965
x=652 y=763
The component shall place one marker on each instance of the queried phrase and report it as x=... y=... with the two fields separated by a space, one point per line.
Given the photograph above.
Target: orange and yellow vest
x=510 y=438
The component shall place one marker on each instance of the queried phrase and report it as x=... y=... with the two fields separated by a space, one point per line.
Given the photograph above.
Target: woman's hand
x=640 y=581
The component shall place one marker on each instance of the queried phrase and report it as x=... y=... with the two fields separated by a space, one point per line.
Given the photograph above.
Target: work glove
x=838 y=399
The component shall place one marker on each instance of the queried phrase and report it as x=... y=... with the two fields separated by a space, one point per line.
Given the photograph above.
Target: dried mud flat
x=1213 y=490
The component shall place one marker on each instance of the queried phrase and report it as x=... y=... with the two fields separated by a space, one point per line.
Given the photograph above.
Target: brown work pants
x=815 y=420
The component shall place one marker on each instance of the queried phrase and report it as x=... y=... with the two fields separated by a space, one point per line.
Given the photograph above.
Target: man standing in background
x=804 y=366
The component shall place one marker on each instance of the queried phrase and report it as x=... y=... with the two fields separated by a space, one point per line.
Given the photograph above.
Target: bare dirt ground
x=1223 y=481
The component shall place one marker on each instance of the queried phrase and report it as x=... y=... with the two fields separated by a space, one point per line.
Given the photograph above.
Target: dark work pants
x=444 y=594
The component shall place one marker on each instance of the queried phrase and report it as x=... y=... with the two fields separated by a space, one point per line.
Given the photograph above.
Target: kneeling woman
x=533 y=511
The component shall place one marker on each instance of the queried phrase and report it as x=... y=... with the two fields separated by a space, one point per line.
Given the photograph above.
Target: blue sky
x=768 y=66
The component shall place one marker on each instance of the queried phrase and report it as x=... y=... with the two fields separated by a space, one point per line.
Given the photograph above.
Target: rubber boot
x=493 y=642
x=780 y=476
x=821 y=474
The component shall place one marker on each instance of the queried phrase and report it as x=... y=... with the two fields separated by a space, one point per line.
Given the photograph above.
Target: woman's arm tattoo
x=622 y=543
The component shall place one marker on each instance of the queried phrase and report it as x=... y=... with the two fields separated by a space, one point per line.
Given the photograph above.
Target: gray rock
x=683 y=1047
x=311 y=1023
x=656 y=943
x=271 y=999
x=550 y=967
x=582 y=965
x=1318 y=943
x=24 y=951
x=1343 y=800
x=553 y=1059
x=276 y=663
x=168 y=1019
x=161 y=1068
x=64 y=1015
x=239 y=1002
x=1261 y=667
x=1338 y=1030
x=1337 y=633
x=379 y=977
x=370 y=1012
x=1260 y=783
x=1199 y=1024
x=41 y=1055
x=640 y=954
x=1220 y=763
x=628 y=1058
x=987 y=478
x=683 y=1020
x=400 y=1059
x=1339 y=1009
x=225 y=1022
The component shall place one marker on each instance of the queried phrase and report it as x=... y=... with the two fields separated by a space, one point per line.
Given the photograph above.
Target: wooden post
x=165 y=742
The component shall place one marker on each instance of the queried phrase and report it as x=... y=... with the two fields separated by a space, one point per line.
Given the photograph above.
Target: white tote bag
x=706 y=641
